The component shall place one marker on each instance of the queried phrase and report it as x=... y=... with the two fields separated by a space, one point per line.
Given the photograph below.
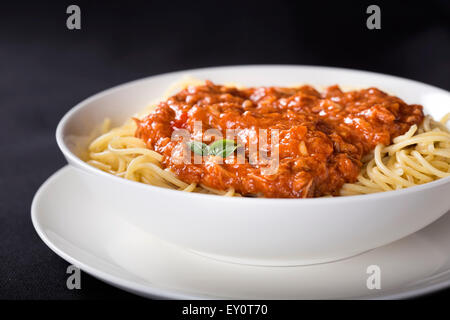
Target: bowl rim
x=329 y=200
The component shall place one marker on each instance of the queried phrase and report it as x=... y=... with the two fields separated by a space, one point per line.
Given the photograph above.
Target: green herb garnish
x=222 y=148
x=198 y=147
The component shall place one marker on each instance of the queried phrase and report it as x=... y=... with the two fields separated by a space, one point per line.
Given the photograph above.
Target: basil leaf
x=198 y=147
x=222 y=148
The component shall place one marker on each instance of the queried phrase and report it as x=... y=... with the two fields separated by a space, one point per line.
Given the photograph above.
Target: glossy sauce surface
x=322 y=136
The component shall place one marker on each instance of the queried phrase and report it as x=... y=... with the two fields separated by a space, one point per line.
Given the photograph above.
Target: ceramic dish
x=260 y=231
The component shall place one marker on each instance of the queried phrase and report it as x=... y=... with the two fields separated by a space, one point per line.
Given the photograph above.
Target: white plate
x=86 y=232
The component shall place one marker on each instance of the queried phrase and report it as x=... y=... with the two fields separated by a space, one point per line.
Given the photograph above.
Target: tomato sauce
x=323 y=136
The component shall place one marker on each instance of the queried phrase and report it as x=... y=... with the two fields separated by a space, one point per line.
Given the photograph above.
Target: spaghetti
x=419 y=156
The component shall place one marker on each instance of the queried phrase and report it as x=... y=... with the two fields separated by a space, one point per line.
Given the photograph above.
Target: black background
x=45 y=69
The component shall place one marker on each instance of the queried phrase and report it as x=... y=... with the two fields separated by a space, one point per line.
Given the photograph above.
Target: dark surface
x=45 y=69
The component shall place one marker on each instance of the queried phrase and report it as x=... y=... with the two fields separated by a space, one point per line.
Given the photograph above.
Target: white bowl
x=258 y=231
